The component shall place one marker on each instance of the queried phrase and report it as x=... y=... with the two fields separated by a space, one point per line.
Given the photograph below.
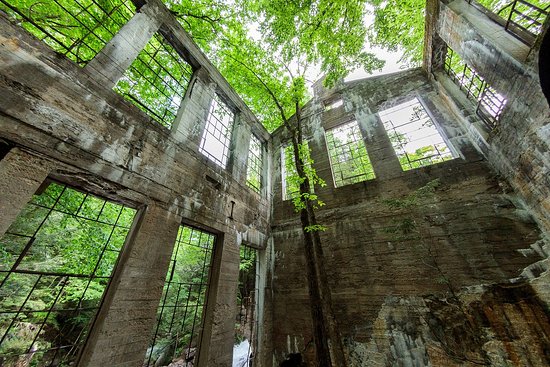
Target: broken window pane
x=156 y=81
x=179 y=315
x=56 y=261
x=255 y=164
x=349 y=160
x=414 y=136
x=78 y=29
x=217 y=132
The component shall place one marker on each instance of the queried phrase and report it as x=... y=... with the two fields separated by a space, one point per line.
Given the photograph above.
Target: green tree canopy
x=284 y=45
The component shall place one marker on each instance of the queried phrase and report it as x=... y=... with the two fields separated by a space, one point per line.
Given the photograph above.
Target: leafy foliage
x=348 y=155
x=293 y=180
x=246 y=294
x=156 y=81
x=180 y=311
x=55 y=263
x=76 y=28
x=399 y=25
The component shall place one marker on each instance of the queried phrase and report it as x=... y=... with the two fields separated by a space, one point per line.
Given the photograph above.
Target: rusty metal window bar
x=489 y=103
x=78 y=29
x=414 y=136
x=56 y=261
x=526 y=16
x=254 y=175
x=156 y=81
x=245 y=322
x=523 y=19
x=217 y=132
x=348 y=156
x=180 y=313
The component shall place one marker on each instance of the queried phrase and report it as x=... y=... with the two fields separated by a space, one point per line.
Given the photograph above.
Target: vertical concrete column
x=218 y=336
x=21 y=174
x=122 y=331
x=190 y=121
x=109 y=65
x=239 y=147
x=382 y=156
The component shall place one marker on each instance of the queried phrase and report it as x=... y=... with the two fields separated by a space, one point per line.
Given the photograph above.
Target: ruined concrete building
x=147 y=227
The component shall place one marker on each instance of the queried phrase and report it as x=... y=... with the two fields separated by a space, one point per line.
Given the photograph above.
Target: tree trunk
x=326 y=336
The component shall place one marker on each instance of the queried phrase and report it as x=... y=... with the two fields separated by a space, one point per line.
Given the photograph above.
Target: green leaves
x=76 y=28
x=315 y=228
x=74 y=240
x=399 y=24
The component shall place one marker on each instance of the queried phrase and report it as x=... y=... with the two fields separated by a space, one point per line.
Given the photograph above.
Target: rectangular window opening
x=520 y=16
x=255 y=164
x=180 y=313
x=245 y=322
x=414 y=136
x=348 y=156
x=291 y=188
x=56 y=261
x=334 y=104
x=289 y=175
x=217 y=132
x=156 y=81
x=78 y=29
x=489 y=102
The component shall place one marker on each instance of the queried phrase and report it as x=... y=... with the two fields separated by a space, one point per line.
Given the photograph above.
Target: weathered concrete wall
x=447 y=281
x=72 y=127
x=519 y=148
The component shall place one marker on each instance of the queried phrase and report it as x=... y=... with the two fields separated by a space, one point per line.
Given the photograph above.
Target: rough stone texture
x=21 y=174
x=519 y=148
x=129 y=311
x=98 y=142
x=468 y=283
x=447 y=292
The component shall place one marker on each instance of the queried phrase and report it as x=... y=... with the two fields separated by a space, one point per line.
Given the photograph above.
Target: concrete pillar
x=218 y=334
x=21 y=174
x=238 y=148
x=123 y=329
x=190 y=121
x=109 y=65
x=382 y=156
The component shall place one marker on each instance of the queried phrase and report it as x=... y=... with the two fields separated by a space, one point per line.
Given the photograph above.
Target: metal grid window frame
x=217 y=132
x=57 y=294
x=157 y=80
x=290 y=188
x=246 y=324
x=348 y=155
x=402 y=132
x=79 y=29
x=522 y=19
x=526 y=16
x=182 y=317
x=254 y=177
x=288 y=170
x=489 y=102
